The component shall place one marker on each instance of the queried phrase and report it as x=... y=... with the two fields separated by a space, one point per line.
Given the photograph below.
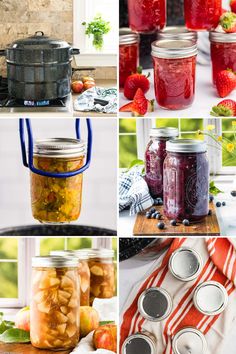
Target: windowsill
x=96 y=59
x=9 y=313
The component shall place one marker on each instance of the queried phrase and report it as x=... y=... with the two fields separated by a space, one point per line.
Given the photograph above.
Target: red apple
x=87 y=78
x=89 y=320
x=77 y=86
x=22 y=320
x=105 y=337
x=89 y=84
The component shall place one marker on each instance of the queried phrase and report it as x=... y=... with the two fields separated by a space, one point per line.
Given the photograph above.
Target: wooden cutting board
x=25 y=349
x=148 y=227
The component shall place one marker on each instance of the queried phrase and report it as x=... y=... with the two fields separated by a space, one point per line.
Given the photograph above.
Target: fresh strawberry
x=233 y=5
x=223 y=11
x=225 y=82
x=226 y=108
x=228 y=22
x=135 y=81
x=141 y=105
x=127 y=107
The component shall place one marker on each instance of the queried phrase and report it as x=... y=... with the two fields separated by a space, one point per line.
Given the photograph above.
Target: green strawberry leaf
x=136 y=162
x=15 y=335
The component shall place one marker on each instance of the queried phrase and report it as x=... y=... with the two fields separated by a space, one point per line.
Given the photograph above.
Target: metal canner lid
x=185 y=264
x=189 y=340
x=155 y=304
x=138 y=343
x=186 y=145
x=177 y=32
x=126 y=36
x=59 y=147
x=174 y=49
x=222 y=37
x=210 y=298
x=53 y=261
x=165 y=132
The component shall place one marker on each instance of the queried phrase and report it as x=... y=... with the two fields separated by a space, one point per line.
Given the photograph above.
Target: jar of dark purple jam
x=186 y=180
x=154 y=158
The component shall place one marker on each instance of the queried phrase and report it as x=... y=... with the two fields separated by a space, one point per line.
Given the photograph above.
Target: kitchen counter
x=25 y=349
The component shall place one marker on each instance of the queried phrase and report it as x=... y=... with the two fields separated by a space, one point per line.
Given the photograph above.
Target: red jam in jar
x=174 y=64
x=223 y=52
x=202 y=15
x=186 y=180
x=154 y=158
x=128 y=54
x=147 y=16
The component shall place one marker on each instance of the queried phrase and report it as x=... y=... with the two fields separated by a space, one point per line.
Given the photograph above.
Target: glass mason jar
x=202 y=15
x=186 y=180
x=102 y=270
x=154 y=158
x=55 y=302
x=223 y=52
x=57 y=200
x=177 y=32
x=147 y=16
x=83 y=272
x=174 y=64
x=128 y=54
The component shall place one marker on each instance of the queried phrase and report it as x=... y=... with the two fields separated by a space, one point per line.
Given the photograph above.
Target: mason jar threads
x=177 y=32
x=186 y=180
x=140 y=343
x=55 y=302
x=102 y=281
x=154 y=158
x=174 y=64
x=128 y=54
x=223 y=52
x=57 y=200
x=147 y=16
x=189 y=340
x=202 y=15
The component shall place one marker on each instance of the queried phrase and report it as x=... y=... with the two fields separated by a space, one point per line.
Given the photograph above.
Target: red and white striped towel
x=219 y=259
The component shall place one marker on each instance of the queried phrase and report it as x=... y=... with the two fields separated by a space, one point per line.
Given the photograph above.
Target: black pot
x=39 y=68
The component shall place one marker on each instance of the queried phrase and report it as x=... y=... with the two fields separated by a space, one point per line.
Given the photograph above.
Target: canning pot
x=39 y=67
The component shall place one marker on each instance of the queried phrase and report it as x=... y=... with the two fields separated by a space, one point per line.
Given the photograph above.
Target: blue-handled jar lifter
x=29 y=162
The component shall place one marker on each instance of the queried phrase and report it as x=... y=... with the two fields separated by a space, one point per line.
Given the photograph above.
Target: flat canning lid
x=186 y=146
x=53 y=261
x=59 y=147
x=80 y=254
x=100 y=253
x=138 y=343
x=222 y=37
x=174 y=49
x=189 y=340
x=177 y=32
x=126 y=36
x=165 y=132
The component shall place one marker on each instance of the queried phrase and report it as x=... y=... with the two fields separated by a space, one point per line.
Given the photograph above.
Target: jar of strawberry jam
x=223 y=52
x=186 y=180
x=154 y=158
x=128 y=54
x=177 y=32
x=174 y=72
x=147 y=16
x=202 y=15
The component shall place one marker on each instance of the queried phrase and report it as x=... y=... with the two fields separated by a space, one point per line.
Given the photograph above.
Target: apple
x=87 y=78
x=22 y=320
x=105 y=337
x=89 y=84
x=89 y=320
x=77 y=86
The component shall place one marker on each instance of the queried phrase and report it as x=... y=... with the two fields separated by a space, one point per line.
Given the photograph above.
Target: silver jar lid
x=59 y=147
x=165 y=132
x=126 y=36
x=177 y=32
x=186 y=145
x=138 y=343
x=53 y=261
x=189 y=340
x=100 y=253
x=210 y=298
x=185 y=264
x=222 y=37
x=80 y=254
x=155 y=304
x=173 y=49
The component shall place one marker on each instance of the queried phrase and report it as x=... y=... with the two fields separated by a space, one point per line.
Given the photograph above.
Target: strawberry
x=135 y=81
x=127 y=107
x=139 y=106
x=225 y=82
x=228 y=22
x=233 y=5
x=223 y=11
x=226 y=108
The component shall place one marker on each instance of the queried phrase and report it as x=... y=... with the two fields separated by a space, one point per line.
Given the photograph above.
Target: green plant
x=97 y=28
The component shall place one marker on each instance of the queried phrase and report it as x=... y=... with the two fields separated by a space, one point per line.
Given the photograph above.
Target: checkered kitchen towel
x=219 y=258
x=133 y=191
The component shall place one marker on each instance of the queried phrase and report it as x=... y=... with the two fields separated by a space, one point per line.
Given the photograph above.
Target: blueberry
x=152 y=210
x=173 y=222
x=153 y=216
x=185 y=222
x=160 y=202
x=161 y=225
x=211 y=198
x=158 y=216
x=148 y=215
x=233 y=193
x=223 y=204
x=210 y=212
x=156 y=201
x=218 y=204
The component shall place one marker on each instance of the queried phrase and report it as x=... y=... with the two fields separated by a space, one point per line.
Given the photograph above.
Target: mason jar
x=55 y=303
x=142 y=342
x=177 y=32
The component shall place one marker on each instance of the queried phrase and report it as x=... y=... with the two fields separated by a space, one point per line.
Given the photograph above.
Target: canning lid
x=186 y=145
x=100 y=253
x=185 y=264
x=222 y=37
x=80 y=254
x=173 y=49
x=210 y=298
x=53 y=261
x=164 y=132
x=177 y=32
x=138 y=343
x=59 y=147
x=189 y=340
x=126 y=36
x=155 y=304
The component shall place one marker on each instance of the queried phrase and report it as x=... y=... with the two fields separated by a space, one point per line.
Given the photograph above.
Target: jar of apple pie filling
x=102 y=271
x=174 y=64
x=186 y=180
x=223 y=52
x=55 y=303
x=128 y=54
x=57 y=200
